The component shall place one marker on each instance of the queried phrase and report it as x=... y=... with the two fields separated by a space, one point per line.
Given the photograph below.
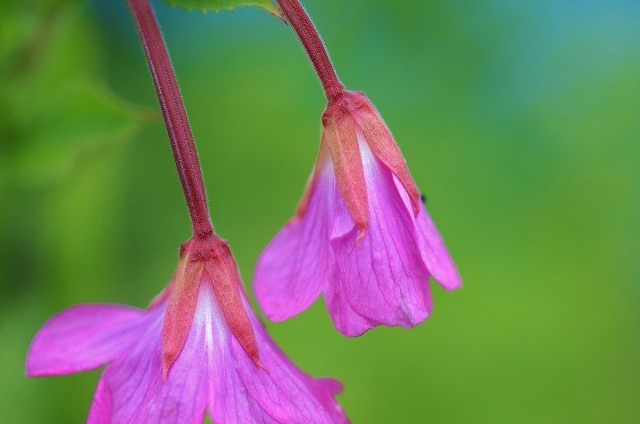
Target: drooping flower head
x=362 y=237
x=198 y=347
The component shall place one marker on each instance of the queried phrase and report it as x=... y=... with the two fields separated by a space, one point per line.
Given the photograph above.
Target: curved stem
x=313 y=44
x=175 y=116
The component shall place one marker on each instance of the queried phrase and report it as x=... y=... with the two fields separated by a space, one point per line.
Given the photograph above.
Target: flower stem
x=175 y=116
x=313 y=44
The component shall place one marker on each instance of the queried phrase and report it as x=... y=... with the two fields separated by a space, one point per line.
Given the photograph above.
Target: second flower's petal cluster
x=381 y=277
x=372 y=271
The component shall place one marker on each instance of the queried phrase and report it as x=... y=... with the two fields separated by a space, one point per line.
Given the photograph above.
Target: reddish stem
x=313 y=44
x=175 y=116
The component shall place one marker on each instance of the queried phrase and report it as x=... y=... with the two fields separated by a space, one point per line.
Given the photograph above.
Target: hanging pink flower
x=198 y=348
x=362 y=236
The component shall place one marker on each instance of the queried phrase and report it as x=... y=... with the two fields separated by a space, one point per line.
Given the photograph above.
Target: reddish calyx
x=384 y=146
x=197 y=256
x=349 y=118
x=341 y=138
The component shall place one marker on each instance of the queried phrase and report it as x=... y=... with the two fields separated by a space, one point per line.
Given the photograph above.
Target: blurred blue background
x=520 y=120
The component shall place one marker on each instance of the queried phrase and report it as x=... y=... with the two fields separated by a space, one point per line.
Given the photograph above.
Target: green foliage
x=217 y=5
x=80 y=119
x=58 y=119
x=54 y=106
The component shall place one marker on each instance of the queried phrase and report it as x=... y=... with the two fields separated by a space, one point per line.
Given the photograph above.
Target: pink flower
x=361 y=237
x=199 y=347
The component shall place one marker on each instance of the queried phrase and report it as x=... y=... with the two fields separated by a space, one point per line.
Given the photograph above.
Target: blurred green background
x=519 y=119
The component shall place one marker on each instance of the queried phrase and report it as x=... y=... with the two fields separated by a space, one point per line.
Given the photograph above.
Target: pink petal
x=435 y=254
x=347 y=320
x=293 y=269
x=82 y=338
x=382 y=279
x=326 y=389
x=136 y=387
x=247 y=394
x=432 y=248
x=102 y=407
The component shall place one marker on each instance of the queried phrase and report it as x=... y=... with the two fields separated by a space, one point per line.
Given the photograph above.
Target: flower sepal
x=350 y=120
x=200 y=255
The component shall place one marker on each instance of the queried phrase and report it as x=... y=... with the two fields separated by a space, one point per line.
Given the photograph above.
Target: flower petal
x=293 y=269
x=327 y=389
x=247 y=394
x=382 y=277
x=435 y=254
x=346 y=319
x=102 y=407
x=322 y=162
x=136 y=387
x=82 y=338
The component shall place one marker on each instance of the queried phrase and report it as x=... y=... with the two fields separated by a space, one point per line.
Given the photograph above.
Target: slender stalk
x=313 y=44
x=175 y=116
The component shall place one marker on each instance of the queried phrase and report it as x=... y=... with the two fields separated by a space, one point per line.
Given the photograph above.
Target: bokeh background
x=520 y=120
